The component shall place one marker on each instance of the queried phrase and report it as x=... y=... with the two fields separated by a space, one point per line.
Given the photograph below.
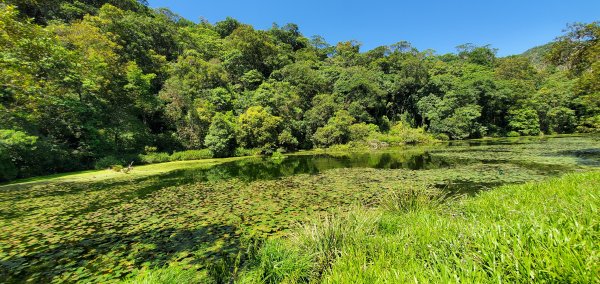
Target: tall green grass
x=537 y=232
x=169 y=275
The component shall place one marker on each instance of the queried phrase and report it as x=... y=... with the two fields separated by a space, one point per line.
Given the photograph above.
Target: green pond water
x=546 y=156
x=103 y=231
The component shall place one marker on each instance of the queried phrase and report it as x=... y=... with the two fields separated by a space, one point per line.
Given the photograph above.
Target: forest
x=92 y=84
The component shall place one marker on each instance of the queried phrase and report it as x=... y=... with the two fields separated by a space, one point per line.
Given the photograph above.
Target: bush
x=191 y=155
x=150 y=149
x=589 y=125
x=117 y=168
x=513 y=134
x=561 y=120
x=525 y=121
x=442 y=137
x=287 y=140
x=337 y=130
x=19 y=155
x=152 y=158
x=108 y=162
x=401 y=134
x=277 y=156
x=221 y=136
x=243 y=152
x=361 y=131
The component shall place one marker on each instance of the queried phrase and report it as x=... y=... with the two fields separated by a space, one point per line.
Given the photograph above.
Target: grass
x=537 y=232
x=168 y=275
x=107 y=175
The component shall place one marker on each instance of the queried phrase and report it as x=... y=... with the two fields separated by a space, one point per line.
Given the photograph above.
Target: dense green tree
x=579 y=51
x=85 y=80
x=16 y=152
x=249 y=49
x=257 y=128
x=221 y=135
x=188 y=96
x=525 y=121
x=226 y=27
x=336 y=131
x=45 y=10
x=482 y=55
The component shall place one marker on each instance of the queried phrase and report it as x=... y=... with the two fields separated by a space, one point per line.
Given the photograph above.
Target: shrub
x=442 y=137
x=361 y=131
x=561 y=120
x=257 y=128
x=117 y=168
x=337 y=130
x=287 y=140
x=277 y=156
x=401 y=134
x=152 y=158
x=243 y=152
x=108 y=162
x=221 y=136
x=150 y=149
x=513 y=134
x=17 y=153
x=525 y=121
x=589 y=125
x=191 y=155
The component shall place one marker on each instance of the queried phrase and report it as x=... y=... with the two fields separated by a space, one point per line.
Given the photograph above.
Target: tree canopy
x=84 y=80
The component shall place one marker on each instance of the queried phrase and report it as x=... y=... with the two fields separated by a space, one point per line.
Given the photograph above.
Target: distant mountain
x=537 y=55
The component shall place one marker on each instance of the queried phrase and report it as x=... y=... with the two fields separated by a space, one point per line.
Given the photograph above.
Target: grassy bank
x=537 y=232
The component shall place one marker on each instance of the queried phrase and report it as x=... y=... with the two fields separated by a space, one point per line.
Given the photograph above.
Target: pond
x=546 y=155
x=103 y=230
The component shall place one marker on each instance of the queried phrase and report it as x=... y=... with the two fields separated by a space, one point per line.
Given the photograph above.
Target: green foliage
x=108 y=162
x=482 y=55
x=524 y=121
x=287 y=140
x=107 y=78
x=221 y=136
x=257 y=128
x=591 y=124
x=277 y=157
x=117 y=168
x=17 y=151
x=168 y=275
x=361 y=131
x=243 y=152
x=513 y=134
x=562 y=120
x=442 y=137
x=191 y=155
x=336 y=131
x=185 y=94
x=153 y=158
x=401 y=134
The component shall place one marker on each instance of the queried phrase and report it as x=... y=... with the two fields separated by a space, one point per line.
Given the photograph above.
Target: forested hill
x=89 y=81
x=538 y=56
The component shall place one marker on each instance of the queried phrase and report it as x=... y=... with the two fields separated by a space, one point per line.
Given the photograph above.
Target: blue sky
x=509 y=25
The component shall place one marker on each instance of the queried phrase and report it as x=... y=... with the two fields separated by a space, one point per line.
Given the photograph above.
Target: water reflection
x=252 y=169
x=454 y=154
